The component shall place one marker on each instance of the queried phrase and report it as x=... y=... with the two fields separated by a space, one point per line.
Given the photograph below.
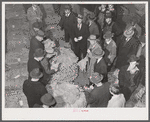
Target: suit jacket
x=99 y=96
x=125 y=81
x=100 y=67
x=84 y=32
x=44 y=67
x=34 y=44
x=34 y=91
x=68 y=22
x=93 y=28
x=125 y=50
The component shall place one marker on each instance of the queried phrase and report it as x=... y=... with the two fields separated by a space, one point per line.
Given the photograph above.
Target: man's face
x=79 y=21
x=111 y=6
x=107 y=40
x=108 y=20
x=67 y=11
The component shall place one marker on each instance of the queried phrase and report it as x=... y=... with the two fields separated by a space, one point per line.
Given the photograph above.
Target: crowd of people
x=101 y=46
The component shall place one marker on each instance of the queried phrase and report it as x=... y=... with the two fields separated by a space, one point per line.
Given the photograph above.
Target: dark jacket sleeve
x=46 y=66
x=134 y=47
x=121 y=77
x=116 y=30
x=87 y=32
x=89 y=98
x=61 y=22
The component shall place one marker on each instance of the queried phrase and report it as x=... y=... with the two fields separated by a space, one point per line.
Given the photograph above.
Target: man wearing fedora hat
x=95 y=54
x=109 y=48
x=127 y=47
x=93 y=27
x=33 y=88
x=126 y=76
x=100 y=95
x=36 y=41
x=110 y=25
x=80 y=34
x=39 y=61
x=67 y=21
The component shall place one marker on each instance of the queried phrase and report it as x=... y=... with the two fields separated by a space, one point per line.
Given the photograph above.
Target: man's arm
x=89 y=98
x=46 y=66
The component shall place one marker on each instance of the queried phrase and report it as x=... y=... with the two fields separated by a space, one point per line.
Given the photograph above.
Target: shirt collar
x=68 y=14
x=109 y=41
x=99 y=59
x=143 y=44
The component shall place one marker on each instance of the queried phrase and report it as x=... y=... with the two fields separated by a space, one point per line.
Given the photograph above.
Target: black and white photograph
x=75 y=60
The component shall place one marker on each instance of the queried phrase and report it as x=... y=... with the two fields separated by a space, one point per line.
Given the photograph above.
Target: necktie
x=79 y=26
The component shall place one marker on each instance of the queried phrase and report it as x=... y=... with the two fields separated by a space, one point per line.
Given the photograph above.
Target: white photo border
x=74 y=113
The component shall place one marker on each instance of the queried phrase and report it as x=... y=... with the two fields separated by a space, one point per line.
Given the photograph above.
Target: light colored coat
x=116 y=101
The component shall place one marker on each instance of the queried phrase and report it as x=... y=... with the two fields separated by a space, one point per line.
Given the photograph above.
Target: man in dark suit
x=36 y=41
x=100 y=95
x=126 y=77
x=127 y=47
x=33 y=88
x=39 y=61
x=80 y=34
x=100 y=66
x=67 y=21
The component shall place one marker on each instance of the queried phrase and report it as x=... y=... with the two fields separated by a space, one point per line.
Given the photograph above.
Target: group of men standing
x=98 y=40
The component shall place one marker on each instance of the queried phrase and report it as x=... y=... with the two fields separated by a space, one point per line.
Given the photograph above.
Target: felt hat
x=129 y=31
x=108 y=35
x=80 y=16
x=98 y=53
x=92 y=37
x=92 y=16
x=37 y=25
x=67 y=7
x=48 y=34
x=48 y=99
x=133 y=58
x=96 y=78
x=142 y=38
x=39 y=52
x=108 y=14
x=36 y=73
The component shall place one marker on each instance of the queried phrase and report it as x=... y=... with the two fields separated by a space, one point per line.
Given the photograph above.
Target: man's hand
x=88 y=51
x=75 y=39
x=80 y=37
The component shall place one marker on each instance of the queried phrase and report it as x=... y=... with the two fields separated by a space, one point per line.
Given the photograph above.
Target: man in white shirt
x=117 y=99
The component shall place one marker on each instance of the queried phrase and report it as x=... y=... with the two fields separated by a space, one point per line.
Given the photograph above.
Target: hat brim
x=41 y=55
x=41 y=75
x=91 y=39
x=107 y=37
x=99 y=55
x=128 y=35
x=91 y=18
x=49 y=104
